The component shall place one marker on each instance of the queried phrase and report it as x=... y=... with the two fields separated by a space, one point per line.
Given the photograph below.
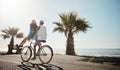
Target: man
x=41 y=36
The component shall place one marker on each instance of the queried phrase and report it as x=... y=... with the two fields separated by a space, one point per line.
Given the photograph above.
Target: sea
x=93 y=52
x=114 y=52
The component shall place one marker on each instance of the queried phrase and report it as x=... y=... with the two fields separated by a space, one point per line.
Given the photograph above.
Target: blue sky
x=102 y=15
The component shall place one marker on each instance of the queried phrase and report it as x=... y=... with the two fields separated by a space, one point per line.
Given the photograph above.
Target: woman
x=31 y=34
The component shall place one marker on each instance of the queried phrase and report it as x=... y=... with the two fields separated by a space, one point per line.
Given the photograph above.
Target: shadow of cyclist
x=34 y=66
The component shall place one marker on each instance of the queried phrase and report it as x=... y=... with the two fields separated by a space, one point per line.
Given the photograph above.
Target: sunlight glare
x=11 y=7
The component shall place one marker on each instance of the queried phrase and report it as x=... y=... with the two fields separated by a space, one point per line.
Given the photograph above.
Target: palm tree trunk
x=10 y=46
x=70 y=44
x=18 y=49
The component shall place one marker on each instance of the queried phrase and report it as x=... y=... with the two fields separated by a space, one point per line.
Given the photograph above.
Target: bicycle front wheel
x=45 y=54
x=26 y=53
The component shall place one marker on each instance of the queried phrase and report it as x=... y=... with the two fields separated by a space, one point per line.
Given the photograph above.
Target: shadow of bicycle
x=34 y=66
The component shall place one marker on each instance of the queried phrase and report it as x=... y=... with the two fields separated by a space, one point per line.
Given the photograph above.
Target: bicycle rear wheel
x=26 y=53
x=45 y=54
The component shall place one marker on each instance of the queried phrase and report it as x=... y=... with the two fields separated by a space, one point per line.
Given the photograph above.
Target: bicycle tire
x=45 y=57
x=26 y=54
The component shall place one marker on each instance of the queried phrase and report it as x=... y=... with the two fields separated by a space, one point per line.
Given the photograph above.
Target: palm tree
x=11 y=32
x=70 y=24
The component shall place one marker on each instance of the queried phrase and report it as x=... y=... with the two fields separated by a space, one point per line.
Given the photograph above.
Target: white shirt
x=42 y=33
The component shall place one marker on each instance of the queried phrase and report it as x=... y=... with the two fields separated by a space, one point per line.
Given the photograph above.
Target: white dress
x=42 y=33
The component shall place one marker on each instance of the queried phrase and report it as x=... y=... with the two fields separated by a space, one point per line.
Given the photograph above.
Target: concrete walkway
x=59 y=62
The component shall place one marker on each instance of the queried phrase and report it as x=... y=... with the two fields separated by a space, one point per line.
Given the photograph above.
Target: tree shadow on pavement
x=115 y=61
x=34 y=66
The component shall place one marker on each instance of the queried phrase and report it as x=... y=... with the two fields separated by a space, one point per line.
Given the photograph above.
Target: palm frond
x=4 y=31
x=5 y=36
x=66 y=32
x=59 y=29
x=19 y=35
x=81 y=25
x=72 y=17
x=58 y=24
x=64 y=19
x=13 y=31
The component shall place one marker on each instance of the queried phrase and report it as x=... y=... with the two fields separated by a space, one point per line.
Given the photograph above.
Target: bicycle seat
x=43 y=41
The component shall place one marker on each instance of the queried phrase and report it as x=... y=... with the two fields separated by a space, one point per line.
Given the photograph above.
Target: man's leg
x=39 y=44
x=35 y=51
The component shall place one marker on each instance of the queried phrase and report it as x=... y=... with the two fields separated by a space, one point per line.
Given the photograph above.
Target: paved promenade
x=59 y=62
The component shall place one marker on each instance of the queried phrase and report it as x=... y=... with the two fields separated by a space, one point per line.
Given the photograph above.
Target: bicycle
x=45 y=53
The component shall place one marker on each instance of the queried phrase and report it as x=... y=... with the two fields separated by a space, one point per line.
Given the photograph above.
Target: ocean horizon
x=112 y=52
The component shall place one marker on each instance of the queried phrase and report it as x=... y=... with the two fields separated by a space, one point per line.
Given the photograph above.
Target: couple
x=37 y=33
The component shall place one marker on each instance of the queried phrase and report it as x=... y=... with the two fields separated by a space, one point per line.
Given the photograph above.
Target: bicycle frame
x=39 y=47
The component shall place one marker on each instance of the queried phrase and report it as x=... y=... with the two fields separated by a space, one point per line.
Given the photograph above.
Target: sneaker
x=33 y=58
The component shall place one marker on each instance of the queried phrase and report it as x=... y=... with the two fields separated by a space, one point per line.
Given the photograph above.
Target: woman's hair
x=33 y=24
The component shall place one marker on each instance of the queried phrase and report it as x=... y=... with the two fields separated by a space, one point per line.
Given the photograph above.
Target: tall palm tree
x=70 y=24
x=11 y=32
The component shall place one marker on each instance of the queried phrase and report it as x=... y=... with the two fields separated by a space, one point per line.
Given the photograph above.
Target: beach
x=60 y=62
